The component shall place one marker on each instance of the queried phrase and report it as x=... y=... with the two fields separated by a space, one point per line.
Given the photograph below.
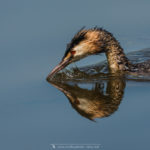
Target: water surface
x=35 y=114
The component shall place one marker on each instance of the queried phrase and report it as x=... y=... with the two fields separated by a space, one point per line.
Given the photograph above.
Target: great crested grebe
x=97 y=40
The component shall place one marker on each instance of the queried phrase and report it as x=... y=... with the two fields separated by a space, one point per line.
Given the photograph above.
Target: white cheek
x=79 y=50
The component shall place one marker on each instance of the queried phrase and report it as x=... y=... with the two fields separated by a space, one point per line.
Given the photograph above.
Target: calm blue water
x=33 y=37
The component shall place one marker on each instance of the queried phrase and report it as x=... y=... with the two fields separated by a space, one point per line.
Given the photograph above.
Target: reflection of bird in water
x=95 y=102
x=97 y=40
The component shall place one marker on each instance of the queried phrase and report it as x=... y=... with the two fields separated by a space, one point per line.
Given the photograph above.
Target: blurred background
x=33 y=38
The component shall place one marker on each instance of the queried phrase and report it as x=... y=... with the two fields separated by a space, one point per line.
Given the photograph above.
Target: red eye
x=73 y=52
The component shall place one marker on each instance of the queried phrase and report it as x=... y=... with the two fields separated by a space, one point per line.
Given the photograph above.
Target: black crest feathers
x=79 y=36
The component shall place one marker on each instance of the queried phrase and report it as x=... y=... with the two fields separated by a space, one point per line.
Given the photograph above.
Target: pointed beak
x=59 y=67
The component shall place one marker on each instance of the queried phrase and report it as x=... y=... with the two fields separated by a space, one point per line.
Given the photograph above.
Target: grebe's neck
x=117 y=61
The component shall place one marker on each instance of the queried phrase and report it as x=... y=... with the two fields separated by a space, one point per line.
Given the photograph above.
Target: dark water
x=33 y=113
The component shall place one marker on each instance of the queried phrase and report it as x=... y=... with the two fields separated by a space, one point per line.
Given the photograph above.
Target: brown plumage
x=97 y=40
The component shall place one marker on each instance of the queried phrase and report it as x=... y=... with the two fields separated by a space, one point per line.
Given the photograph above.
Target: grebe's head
x=84 y=43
